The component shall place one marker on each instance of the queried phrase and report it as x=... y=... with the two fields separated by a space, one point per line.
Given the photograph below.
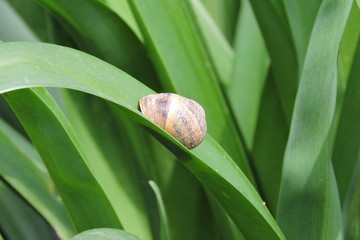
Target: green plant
x=278 y=81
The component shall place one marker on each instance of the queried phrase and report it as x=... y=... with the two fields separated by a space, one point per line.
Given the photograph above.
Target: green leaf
x=351 y=207
x=348 y=44
x=21 y=167
x=61 y=152
x=347 y=141
x=274 y=27
x=309 y=206
x=105 y=234
x=34 y=64
x=7 y=115
x=301 y=15
x=182 y=194
x=99 y=31
x=225 y=227
x=134 y=138
x=347 y=50
x=256 y=106
x=184 y=67
x=13 y=28
x=220 y=51
x=122 y=8
x=249 y=73
x=228 y=198
x=35 y=21
x=164 y=228
x=19 y=220
x=41 y=22
x=225 y=13
x=268 y=158
x=109 y=151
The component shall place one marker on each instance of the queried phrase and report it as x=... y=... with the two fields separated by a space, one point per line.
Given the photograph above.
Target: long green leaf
x=99 y=31
x=347 y=51
x=225 y=227
x=181 y=191
x=183 y=195
x=309 y=206
x=122 y=8
x=34 y=17
x=351 y=207
x=18 y=220
x=29 y=65
x=40 y=22
x=301 y=15
x=222 y=55
x=348 y=44
x=184 y=67
x=220 y=50
x=225 y=13
x=249 y=73
x=112 y=158
x=268 y=158
x=347 y=141
x=7 y=115
x=52 y=135
x=13 y=28
x=256 y=106
x=20 y=166
x=164 y=228
x=274 y=27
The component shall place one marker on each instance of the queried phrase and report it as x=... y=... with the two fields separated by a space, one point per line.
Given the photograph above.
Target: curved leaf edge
x=130 y=106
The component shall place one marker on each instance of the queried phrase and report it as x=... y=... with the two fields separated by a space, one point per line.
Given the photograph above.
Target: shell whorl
x=181 y=117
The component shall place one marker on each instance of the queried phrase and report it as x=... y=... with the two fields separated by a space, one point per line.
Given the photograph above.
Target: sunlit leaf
x=29 y=65
x=309 y=205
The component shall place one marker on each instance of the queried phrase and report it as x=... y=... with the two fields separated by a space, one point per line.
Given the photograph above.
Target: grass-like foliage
x=280 y=85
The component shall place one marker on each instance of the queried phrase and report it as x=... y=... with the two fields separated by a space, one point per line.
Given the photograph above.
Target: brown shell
x=182 y=118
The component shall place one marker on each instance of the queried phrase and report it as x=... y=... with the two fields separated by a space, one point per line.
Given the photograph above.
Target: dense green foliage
x=280 y=84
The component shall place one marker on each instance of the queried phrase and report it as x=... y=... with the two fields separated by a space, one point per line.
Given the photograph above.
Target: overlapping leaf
x=309 y=205
x=19 y=220
x=21 y=167
x=110 y=153
x=50 y=132
x=184 y=67
x=46 y=65
x=99 y=31
x=347 y=141
x=277 y=36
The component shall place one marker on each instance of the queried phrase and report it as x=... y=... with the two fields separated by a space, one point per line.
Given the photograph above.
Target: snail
x=182 y=118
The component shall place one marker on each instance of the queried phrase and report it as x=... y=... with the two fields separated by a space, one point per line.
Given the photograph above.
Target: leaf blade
x=308 y=180
x=195 y=78
x=164 y=228
x=108 y=37
x=272 y=21
x=20 y=221
x=347 y=141
x=19 y=166
x=249 y=72
x=48 y=65
x=82 y=195
x=114 y=163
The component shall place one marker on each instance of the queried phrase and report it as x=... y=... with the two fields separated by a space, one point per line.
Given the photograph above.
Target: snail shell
x=182 y=118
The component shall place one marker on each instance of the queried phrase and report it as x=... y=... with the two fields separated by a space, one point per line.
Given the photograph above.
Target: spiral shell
x=182 y=118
